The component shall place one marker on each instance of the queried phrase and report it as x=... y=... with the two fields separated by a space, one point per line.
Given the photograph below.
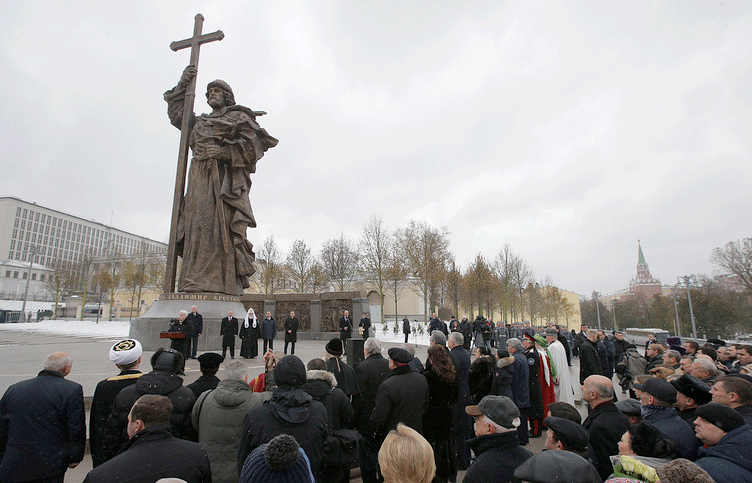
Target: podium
x=172 y=335
x=354 y=349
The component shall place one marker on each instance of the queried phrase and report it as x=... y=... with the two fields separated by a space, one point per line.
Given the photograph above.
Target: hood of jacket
x=232 y=393
x=504 y=362
x=483 y=360
x=735 y=447
x=319 y=383
x=291 y=405
x=158 y=382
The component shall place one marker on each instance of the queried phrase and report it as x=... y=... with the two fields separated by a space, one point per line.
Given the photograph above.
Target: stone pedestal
x=212 y=307
x=354 y=349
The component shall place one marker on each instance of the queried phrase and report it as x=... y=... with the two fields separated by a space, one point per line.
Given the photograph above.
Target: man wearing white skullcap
x=126 y=355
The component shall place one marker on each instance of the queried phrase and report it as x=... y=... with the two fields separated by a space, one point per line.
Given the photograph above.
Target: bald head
x=597 y=390
x=61 y=362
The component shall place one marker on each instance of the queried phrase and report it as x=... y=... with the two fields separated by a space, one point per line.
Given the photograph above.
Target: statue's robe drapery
x=206 y=266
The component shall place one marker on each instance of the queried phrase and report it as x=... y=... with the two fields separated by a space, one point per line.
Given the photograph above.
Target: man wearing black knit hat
x=727 y=455
x=291 y=411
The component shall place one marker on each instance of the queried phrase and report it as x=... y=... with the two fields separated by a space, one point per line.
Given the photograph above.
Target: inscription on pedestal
x=215 y=297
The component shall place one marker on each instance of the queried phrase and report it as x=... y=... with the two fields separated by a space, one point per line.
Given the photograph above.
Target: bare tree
x=269 y=265
x=377 y=255
x=59 y=281
x=299 y=264
x=735 y=260
x=425 y=250
x=339 y=260
x=454 y=285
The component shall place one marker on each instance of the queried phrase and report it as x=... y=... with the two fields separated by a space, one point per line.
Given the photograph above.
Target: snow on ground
x=105 y=329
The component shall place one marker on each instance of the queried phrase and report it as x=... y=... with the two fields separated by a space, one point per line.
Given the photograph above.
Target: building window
x=13 y=245
x=33 y=276
x=24 y=274
x=41 y=278
x=23 y=224
x=15 y=225
x=18 y=211
x=7 y=274
x=15 y=274
x=36 y=218
x=24 y=213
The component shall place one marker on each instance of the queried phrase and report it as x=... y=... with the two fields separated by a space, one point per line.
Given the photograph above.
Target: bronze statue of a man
x=216 y=210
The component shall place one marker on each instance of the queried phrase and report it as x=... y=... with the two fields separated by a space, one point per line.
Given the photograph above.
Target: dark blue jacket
x=198 y=323
x=42 y=427
x=521 y=382
x=673 y=427
x=497 y=456
x=729 y=461
x=269 y=329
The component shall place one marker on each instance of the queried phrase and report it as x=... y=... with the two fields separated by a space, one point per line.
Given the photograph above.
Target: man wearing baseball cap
x=657 y=399
x=126 y=355
x=727 y=454
x=496 y=445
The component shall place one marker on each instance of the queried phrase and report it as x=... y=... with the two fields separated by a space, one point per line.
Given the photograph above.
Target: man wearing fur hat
x=727 y=454
x=126 y=355
x=216 y=210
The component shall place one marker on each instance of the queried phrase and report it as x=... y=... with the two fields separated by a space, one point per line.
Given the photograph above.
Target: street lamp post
x=32 y=250
x=597 y=309
x=676 y=309
x=613 y=309
x=686 y=279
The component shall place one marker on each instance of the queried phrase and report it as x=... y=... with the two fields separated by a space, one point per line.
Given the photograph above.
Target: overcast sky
x=567 y=129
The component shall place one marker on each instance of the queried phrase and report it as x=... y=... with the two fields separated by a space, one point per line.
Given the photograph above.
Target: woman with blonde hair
x=406 y=457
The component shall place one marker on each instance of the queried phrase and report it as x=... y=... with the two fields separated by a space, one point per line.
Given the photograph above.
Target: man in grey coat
x=218 y=417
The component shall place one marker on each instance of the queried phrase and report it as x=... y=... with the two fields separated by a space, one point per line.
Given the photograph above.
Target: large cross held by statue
x=190 y=95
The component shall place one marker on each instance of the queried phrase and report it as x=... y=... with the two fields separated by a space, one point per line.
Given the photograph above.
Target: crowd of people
x=397 y=418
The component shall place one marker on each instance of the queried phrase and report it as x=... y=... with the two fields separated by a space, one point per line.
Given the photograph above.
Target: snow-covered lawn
x=104 y=328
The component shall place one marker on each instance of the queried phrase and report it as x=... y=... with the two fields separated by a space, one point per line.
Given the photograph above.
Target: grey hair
x=438 y=337
x=515 y=343
x=706 y=366
x=57 y=361
x=236 y=371
x=183 y=312
x=457 y=338
x=194 y=307
x=674 y=355
x=372 y=346
x=592 y=331
x=409 y=348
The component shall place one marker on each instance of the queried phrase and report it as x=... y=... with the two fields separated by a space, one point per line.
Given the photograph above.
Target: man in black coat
x=605 y=424
x=535 y=413
x=163 y=380
x=563 y=339
x=370 y=373
x=364 y=326
x=209 y=364
x=126 y=354
x=290 y=411
x=406 y=328
x=345 y=329
x=466 y=327
x=229 y=330
x=197 y=321
x=455 y=343
x=497 y=450
x=152 y=452
x=292 y=324
x=268 y=331
x=42 y=425
x=657 y=399
x=590 y=361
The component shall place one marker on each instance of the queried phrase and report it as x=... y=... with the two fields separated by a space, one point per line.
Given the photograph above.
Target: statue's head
x=229 y=96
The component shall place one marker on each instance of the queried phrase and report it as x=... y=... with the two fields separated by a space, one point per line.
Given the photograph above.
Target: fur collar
x=505 y=361
x=318 y=375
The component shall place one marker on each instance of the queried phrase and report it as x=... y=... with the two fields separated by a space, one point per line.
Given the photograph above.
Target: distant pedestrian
x=364 y=326
x=292 y=324
x=406 y=328
x=345 y=328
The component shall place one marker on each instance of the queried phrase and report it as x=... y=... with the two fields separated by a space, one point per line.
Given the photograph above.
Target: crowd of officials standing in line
x=396 y=417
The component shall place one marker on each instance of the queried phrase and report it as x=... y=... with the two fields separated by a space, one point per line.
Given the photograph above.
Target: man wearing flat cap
x=209 y=364
x=657 y=399
x=566 y=435
x=496 y=444
x=126 y=355
x=402 y=397
x=557 y=466
x=727 y=454
x=691 y=393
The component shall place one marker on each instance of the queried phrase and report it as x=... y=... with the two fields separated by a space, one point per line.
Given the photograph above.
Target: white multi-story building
x=54 y=237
